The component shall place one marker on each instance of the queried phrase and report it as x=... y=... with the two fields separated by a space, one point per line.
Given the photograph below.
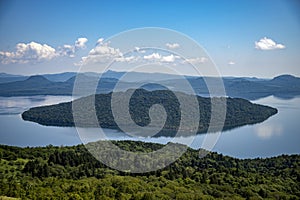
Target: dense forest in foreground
x=73 y=173
x=239 y=112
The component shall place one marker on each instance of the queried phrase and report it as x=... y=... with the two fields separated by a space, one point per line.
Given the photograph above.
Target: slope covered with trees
x=238 y=111
x=73 y=173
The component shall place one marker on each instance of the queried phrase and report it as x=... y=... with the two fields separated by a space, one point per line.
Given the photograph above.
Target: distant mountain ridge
x=283 y=86
x=61 y=77
x=286 y=79
x=39 y=78
x=34 y=85
x=5 y=75
x=6 y=78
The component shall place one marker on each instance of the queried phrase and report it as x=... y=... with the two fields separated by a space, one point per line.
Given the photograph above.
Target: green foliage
x=73 y=173
x=239 y=111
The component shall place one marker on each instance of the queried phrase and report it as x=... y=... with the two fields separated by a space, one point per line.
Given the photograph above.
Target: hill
x=35 y=85
x=6 y=78
x=73 y=173
x=61 y=77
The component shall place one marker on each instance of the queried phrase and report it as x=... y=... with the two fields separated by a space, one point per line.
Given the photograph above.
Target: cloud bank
x=103 y=52
x=34 y=52
x=30 y=52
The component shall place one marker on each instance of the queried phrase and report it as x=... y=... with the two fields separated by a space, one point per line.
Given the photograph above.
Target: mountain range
x=283 y=86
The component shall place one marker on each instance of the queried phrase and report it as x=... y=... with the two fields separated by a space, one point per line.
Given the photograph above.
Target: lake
x=277 y=135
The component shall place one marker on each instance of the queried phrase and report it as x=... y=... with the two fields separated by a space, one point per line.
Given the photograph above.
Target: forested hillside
x=238 y=111
x=72 y=173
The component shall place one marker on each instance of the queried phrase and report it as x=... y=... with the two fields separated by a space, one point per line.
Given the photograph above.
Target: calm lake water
x=278 y=135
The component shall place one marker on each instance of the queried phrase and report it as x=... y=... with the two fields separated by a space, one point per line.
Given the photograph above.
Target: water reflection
x=266 y=131
x=17 y=105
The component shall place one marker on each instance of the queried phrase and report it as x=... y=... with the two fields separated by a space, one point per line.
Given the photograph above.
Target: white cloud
x=170 y=58
x=231 y=63
x=153 y=56
x=66 y=50
x=30 y=52
x=34 y=52
x=125 y=59
x=268 y=44
x=103 y=53
x=172 y=46
x=80 y=43
x=198 y=60
x=99 y=41
x=105 y=50
x=159 y=58
x=70 y=50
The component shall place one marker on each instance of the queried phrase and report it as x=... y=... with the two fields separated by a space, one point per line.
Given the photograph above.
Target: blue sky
x=227 y=30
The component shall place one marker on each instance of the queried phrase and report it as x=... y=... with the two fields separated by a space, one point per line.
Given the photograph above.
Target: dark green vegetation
x=72 y=173
x=284 y=86
x=239 y=111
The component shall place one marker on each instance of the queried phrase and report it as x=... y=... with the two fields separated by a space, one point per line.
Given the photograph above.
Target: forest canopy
x=73 y=173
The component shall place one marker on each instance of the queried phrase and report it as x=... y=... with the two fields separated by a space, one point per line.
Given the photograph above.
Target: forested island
x=239 y=112
x=73 y=173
